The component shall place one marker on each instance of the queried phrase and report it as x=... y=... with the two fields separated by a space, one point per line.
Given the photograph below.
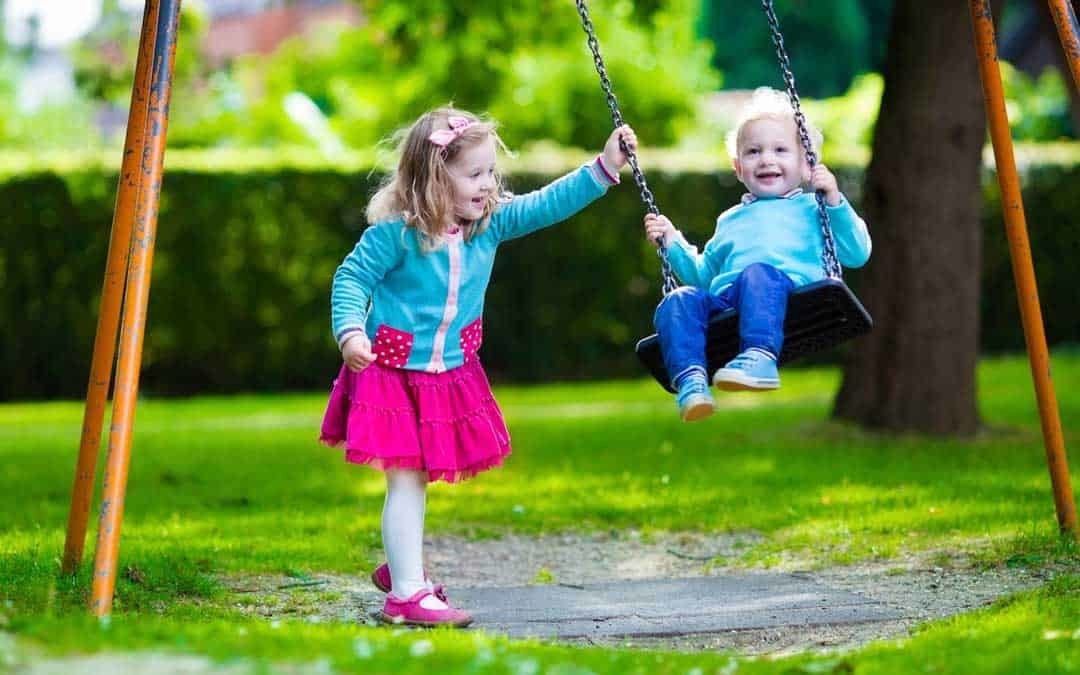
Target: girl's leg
x=403 y=530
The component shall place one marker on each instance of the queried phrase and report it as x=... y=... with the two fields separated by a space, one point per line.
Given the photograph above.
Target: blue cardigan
x=423 y=310
x=780 y=231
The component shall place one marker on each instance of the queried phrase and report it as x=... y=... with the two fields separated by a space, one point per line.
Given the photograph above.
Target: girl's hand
x=357 y=352
x=614 y=157
x=659 y=229
x=823 y=179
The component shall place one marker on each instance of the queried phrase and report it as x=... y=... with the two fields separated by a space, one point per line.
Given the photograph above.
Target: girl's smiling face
x=472 y=176
x=770 y=160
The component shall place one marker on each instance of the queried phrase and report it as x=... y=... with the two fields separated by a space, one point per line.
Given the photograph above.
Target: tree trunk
x=916 y=370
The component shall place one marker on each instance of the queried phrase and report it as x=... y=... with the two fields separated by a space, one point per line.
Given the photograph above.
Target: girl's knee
x=405 y=478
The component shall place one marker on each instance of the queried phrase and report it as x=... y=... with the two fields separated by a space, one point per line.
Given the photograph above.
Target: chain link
x=670 y=282
x=828 y=255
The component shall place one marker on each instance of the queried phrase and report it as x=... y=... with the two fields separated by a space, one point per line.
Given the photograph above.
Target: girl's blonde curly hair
x=420 y=190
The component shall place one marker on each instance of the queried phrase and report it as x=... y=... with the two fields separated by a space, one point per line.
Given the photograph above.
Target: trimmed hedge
x=244 y=259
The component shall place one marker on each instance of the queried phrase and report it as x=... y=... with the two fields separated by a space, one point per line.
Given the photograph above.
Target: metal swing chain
x=828 y=256
x=670 y=282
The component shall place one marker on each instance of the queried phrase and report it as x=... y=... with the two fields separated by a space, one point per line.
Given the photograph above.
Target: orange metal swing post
x=1023 y=270
x=136 y=297
x=1069 y=32
x=112 y=293
x=131 y=245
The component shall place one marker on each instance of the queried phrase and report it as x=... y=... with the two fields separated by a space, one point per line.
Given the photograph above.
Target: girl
x=412 y=398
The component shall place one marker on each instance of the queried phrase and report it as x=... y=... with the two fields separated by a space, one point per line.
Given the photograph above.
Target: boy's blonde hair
x=419 y=190
x=768 y=103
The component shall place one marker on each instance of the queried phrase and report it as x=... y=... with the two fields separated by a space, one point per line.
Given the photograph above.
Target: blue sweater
x=784 y=232
x=423 y=311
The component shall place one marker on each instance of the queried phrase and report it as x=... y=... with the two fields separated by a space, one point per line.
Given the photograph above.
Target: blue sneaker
x=694 y=399
x=752 y=370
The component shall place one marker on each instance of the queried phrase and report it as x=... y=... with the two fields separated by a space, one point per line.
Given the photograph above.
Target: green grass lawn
x=239 y=484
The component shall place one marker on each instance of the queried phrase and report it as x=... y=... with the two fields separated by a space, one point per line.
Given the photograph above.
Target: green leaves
x=829 y=43
x=524 y=62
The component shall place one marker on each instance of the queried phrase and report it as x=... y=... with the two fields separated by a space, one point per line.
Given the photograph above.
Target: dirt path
x=921 y=587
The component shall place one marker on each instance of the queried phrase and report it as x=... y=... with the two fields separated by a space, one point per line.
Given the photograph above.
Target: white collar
x=750 y=198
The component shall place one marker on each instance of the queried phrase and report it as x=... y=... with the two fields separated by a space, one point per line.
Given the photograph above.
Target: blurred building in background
x=239 y=27
x=235 y=28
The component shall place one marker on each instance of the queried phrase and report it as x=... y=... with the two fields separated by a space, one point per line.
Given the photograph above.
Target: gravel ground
x=922 y=587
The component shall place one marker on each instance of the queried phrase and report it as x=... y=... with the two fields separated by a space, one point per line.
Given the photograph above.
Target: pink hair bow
x=444 y=137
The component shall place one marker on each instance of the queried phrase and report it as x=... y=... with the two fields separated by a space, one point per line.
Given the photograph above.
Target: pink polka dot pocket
x=392 y=346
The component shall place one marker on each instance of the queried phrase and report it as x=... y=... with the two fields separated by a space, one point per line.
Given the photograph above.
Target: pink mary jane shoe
x=381 y=578
x=412 y=612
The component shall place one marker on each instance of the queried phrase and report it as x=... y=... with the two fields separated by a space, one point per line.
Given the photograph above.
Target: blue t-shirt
x=784 y=232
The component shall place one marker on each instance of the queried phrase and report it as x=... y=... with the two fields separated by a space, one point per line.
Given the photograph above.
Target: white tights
x=403 y=531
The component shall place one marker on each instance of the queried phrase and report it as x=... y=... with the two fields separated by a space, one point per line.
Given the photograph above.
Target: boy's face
x=472 y=174
x=770 y=161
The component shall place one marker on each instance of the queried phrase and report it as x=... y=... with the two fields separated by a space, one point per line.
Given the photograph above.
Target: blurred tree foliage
x=829 y=42
x=1038 y=107
x=104 y=59
x=523 y=61
x=104 y=65
x=8 y=79
x=37 y=122
x=848 y=120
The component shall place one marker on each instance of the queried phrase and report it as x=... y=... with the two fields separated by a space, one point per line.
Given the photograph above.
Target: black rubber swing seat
x=820 y=315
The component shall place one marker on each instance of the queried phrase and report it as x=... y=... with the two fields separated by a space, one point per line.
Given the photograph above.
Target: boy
x=762 y=249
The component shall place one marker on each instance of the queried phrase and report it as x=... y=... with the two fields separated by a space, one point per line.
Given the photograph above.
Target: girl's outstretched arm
x=565 y=196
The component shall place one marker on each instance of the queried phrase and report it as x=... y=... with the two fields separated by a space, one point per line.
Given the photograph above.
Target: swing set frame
x=126 y=289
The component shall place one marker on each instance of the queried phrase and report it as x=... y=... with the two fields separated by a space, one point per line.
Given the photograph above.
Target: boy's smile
x=770 y=159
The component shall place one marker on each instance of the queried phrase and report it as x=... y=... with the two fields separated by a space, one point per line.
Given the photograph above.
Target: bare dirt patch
x=922 y=587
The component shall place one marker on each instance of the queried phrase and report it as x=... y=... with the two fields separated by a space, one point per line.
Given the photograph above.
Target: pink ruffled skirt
x=446 y=424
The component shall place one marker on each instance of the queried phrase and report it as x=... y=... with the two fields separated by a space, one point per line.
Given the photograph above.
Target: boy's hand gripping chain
x=828 y=256
x=670 y=283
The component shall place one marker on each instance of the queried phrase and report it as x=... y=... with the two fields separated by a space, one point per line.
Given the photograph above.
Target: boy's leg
x=680 y=322
x=761 y=294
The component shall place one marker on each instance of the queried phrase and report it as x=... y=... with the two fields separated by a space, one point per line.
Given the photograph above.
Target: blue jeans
x=759 y=293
